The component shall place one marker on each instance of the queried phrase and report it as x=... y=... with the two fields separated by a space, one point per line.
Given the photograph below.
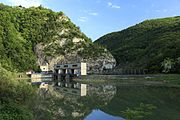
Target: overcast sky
x=99 y=17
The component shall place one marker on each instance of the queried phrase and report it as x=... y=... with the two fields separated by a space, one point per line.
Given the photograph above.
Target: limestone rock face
x=63 y=54
x=70 y=45
x=96 y=65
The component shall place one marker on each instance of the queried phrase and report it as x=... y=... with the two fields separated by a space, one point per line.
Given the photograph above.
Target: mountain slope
x=34 y=36
x=145 y=45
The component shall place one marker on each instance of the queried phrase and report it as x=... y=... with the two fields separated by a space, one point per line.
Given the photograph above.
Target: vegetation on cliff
x=21 y=29
x=146 y=45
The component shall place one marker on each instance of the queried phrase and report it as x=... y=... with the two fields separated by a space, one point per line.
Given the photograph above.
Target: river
x=118 y=102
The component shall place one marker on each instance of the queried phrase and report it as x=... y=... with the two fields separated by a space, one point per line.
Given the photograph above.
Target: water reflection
x=72 y=88
x=96 y=96
x=107 y=102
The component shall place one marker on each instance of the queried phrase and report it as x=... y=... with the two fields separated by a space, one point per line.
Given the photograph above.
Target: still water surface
x=109 y=101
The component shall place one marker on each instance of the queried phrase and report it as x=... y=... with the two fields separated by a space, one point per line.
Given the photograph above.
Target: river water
x=112 y=102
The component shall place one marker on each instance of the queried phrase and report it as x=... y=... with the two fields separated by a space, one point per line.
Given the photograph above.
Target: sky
x=99 y=17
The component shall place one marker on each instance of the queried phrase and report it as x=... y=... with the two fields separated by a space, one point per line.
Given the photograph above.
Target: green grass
x=166 y=79
x=15 y=97
x=169 y=78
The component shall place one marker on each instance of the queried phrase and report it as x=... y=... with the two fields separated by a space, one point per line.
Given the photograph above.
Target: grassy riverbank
x=170 y=79
x=15 y=97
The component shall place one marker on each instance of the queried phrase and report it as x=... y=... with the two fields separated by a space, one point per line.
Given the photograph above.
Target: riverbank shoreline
x=172 y=80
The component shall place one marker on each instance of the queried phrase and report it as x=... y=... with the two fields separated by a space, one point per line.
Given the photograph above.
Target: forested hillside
x=146 y=45
x=32 y=36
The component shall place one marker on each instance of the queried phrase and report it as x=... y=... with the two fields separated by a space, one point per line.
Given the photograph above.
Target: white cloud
x=116 y=6
x=93 y=13
x=26 y=3
x=109 y=4
x=90 y=12
x=165 y=10
x=160 y=11
x=82 y=19
x=157 y=10
x=113 y=6
x=152 y=5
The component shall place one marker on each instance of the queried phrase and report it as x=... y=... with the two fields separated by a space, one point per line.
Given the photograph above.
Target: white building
x=41 y=77
x=77 y=68
x=45 y=68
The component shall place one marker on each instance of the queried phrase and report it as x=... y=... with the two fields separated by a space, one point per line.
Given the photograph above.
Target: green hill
x=33 y=36
x=145 y=45
x=30 y=37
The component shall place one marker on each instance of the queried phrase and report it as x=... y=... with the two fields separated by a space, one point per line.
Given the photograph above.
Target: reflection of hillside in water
x=73 y=106
x=166 y=99
x=111 y=100
x=54 y=105
x=105 y=92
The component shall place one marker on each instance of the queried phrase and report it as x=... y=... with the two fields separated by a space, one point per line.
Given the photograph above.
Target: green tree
x=145 y=45
x=177 y=66
x=168 y=65
x=14 y=97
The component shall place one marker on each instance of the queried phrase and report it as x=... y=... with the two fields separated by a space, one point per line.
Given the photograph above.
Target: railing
x=123 y=72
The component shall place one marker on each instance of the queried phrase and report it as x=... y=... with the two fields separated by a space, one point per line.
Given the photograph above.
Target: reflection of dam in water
x=63 y=79
x=41 y=77
x=72 y=88
x=75 y=88
x=64 y=75
x=96 y=95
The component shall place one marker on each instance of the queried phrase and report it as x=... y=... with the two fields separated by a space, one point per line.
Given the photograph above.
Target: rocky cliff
x=38 y=35
x=73 y=50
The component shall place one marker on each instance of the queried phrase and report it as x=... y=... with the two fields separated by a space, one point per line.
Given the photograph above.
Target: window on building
x=74 y=65
x=65 y=65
